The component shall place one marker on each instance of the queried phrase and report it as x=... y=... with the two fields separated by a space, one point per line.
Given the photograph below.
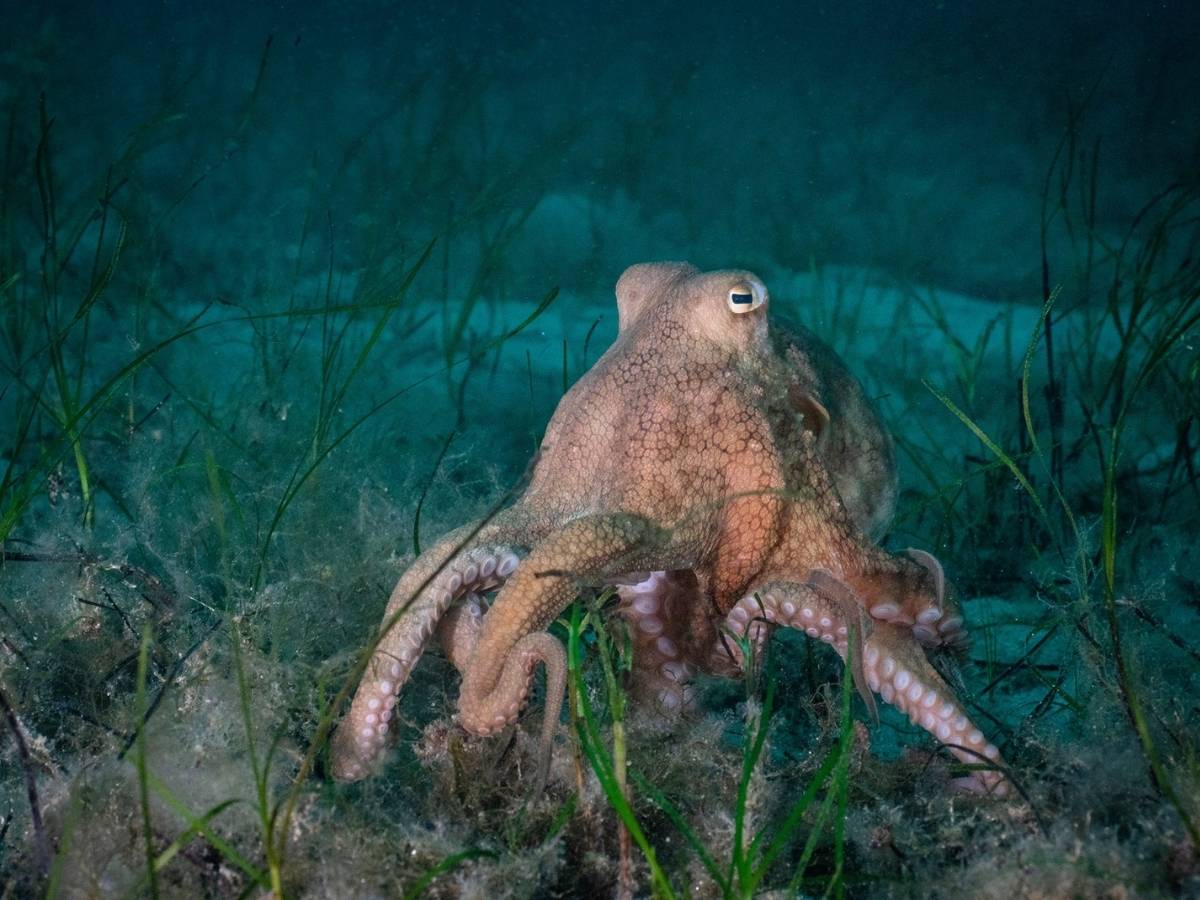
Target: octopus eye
x=745 y=297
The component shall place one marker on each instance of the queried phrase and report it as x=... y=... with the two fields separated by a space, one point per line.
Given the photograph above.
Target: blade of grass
x=40 y=842
x=1133 y=702
x=810 y=845
x=339 y=395
x=561 y=818
x=1027 y=417
x=588 y=733
x=741 y=864
x=795 y=815
x=447 y=864
x=70 y=820
x=203 y=828
x=836 y=761
x=837 y=883
x=185 y=837
x=302 y=473
x=437 y=464
x=689 y=835
x=999 y=453
x=261 y=772
x=140 y=761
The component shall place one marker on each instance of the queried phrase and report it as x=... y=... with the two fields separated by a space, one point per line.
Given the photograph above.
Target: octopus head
x=727 y=308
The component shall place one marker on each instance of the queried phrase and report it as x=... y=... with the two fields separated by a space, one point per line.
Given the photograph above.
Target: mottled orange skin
x=696 y=444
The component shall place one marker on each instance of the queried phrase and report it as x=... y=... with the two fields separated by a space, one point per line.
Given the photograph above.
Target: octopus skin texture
x=728 y=476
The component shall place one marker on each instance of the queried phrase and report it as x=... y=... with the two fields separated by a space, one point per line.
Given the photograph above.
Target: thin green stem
x=140 y=761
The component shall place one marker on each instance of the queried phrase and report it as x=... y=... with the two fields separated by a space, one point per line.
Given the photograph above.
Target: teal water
x=287 y=290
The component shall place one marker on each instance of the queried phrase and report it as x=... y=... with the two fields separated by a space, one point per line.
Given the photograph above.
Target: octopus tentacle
x=794 y=605
x=939 y=623
x=511 y=642
x=656 y=609
x=893 y=665
x=424 y=594
x=512 y=691
x=459 y=629
x=897 y=668
x=920 y=598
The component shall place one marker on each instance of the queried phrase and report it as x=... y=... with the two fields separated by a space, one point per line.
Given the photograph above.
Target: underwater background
x=288 y=290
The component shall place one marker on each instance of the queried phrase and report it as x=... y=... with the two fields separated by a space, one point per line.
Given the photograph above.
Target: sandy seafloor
x=907 y=179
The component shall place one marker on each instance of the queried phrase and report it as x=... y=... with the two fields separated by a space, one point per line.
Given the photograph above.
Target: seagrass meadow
x=288 y=291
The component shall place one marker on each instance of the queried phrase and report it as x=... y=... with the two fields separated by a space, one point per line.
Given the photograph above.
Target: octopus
x=728 y=476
